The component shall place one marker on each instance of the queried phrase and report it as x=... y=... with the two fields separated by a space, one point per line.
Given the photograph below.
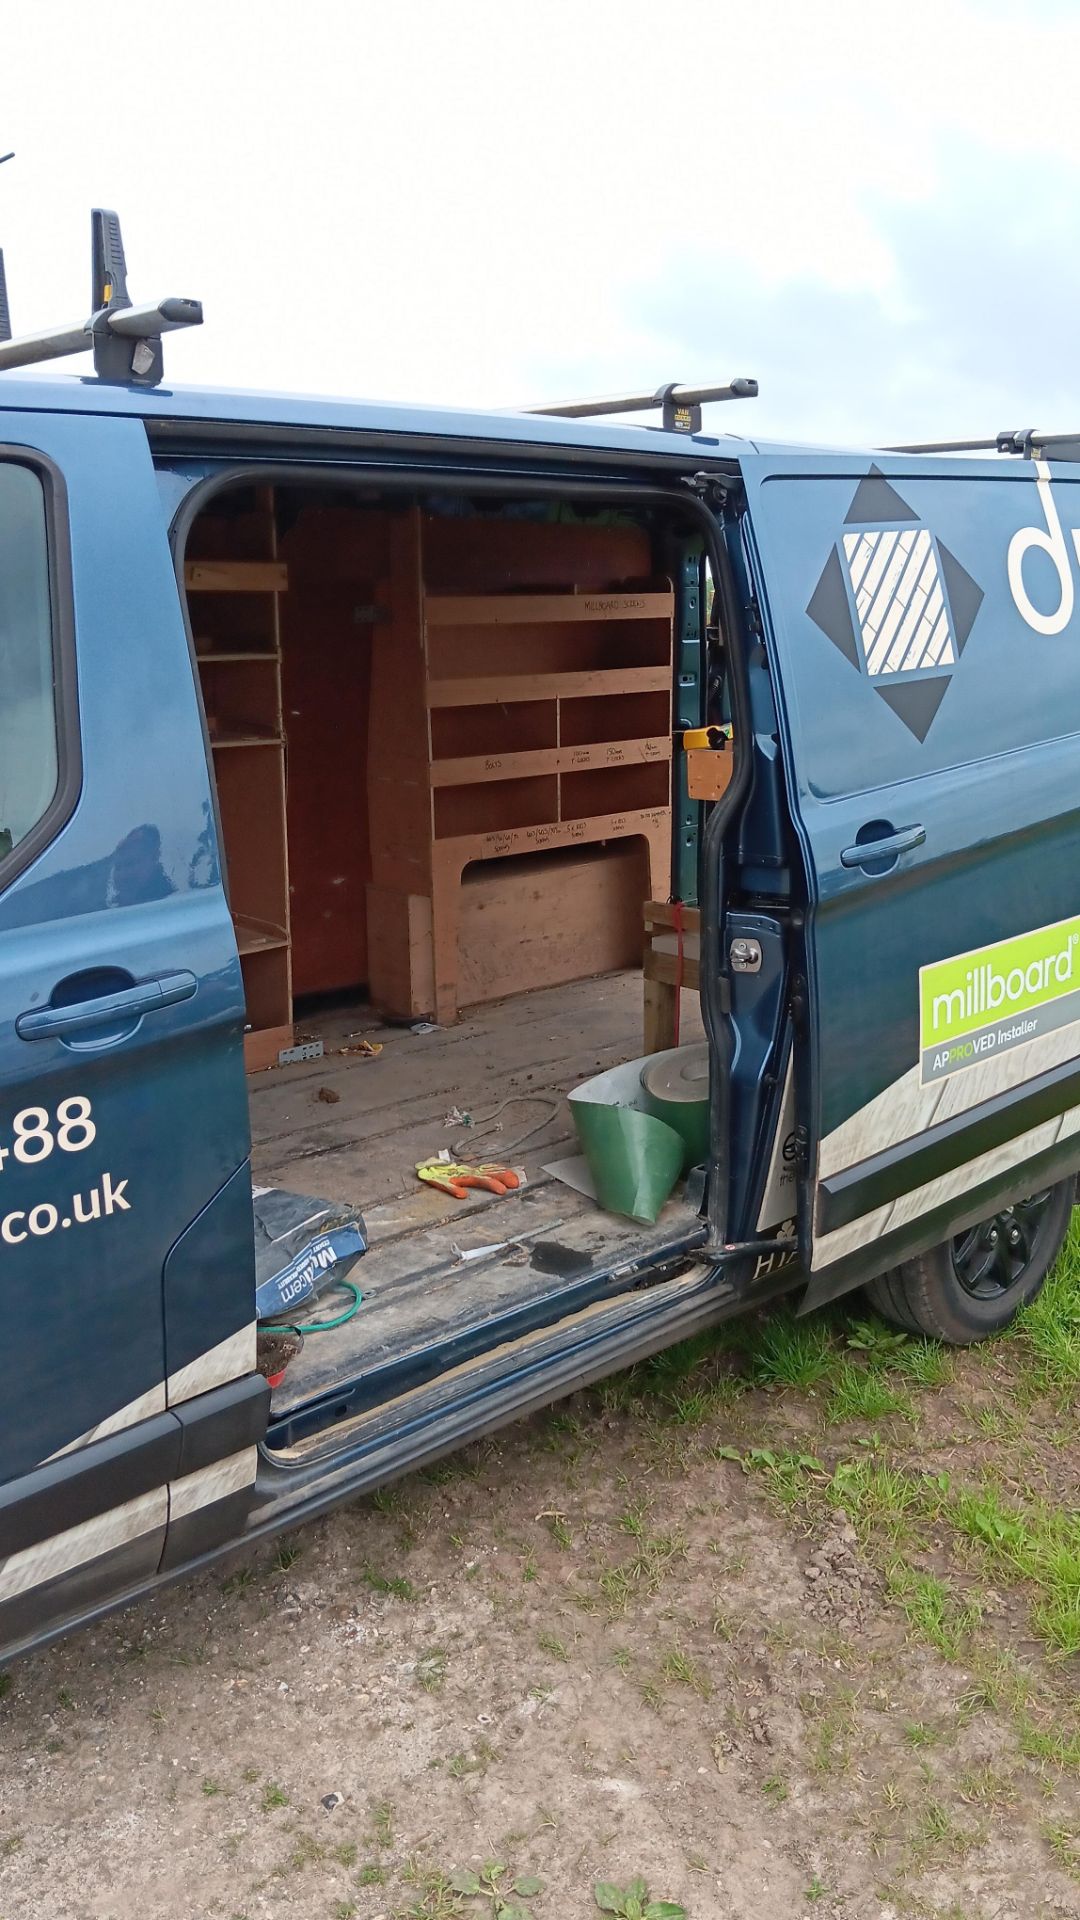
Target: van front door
x=122 y=1100
x=917 y=617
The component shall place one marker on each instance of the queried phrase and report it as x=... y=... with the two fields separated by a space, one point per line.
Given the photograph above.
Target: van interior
x=445 y=733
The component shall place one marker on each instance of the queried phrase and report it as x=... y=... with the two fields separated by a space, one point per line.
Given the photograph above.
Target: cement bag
x=302 y=1247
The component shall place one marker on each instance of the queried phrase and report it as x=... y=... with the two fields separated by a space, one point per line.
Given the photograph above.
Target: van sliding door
x=122 y=1102
x=920 y=624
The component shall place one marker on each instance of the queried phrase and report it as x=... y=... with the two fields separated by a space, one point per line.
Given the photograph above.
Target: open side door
x=927 y=686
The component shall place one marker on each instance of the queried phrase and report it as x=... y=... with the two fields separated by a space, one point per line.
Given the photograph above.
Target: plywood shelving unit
x=234 y=581
x=505 y=724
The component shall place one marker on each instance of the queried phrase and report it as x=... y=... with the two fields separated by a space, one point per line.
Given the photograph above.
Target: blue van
x=246 y=812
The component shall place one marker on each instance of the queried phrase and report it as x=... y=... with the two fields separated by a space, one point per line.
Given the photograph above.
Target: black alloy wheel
x=989 y=1259
x=975 y=1284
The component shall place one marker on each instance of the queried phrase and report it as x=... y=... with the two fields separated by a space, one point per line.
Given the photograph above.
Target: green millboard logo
x=982 y=1003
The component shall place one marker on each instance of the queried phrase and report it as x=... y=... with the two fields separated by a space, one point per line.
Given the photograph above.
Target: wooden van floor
x=351 y=1128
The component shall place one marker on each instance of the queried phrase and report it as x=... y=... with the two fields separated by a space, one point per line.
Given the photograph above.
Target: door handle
x=131 y=1003
x=888 y=847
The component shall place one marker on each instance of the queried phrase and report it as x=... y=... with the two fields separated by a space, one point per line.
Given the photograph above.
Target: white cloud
x=497 y=200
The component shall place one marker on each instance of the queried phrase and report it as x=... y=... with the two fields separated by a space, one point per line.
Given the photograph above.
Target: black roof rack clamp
x=125 y=340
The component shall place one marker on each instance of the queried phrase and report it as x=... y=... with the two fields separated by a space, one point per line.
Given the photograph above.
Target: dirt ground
x=689 y=1626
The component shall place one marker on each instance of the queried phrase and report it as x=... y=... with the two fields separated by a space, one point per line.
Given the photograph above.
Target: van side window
x=28 y=746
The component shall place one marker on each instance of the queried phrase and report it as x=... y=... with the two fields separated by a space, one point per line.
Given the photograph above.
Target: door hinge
x=709 y=484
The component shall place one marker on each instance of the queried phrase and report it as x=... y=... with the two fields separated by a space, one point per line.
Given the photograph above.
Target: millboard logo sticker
x=896 y=603
x=994 y=998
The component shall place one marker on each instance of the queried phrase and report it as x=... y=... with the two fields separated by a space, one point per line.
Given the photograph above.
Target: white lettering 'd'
x=1052 y=542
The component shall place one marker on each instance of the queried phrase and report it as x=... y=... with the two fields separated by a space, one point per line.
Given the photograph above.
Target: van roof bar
x=681 y=405
x=1019 y=440
x=125 y=340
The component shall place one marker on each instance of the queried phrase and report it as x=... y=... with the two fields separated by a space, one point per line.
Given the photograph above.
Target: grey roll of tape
x=675 y=1085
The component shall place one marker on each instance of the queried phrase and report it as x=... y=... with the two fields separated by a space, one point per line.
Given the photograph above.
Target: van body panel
x=141 y=1116
x=918 y=703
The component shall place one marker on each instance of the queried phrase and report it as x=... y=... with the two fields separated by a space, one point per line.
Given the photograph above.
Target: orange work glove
x=452 y=1176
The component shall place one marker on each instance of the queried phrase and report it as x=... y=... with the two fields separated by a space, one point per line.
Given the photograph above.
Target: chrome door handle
x=131 y=1003
x=889 y=847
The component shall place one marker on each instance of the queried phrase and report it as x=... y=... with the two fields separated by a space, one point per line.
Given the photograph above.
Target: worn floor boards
x=389 y=1112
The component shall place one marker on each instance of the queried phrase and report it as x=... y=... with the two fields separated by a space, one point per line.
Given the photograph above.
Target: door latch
x=745 y=956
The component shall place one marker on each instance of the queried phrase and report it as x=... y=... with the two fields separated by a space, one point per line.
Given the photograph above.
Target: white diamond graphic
x=900 y=605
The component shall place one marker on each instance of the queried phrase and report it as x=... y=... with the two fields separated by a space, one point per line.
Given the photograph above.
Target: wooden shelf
x=219 y=657
x=496 y=689
x=514 y=723
x=247 y=740
x=475 y=769
x=235 y=576
x=503 y=841
x=251 y=937
x=237 y=625
x=543 y=609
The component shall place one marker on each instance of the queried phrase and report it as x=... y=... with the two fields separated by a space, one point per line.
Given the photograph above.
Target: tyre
x=975 y=1284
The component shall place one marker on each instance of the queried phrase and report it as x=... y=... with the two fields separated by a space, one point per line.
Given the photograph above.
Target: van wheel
x=975 y=1284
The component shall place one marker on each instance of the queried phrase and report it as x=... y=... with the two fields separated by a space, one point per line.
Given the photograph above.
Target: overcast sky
x=872 y=209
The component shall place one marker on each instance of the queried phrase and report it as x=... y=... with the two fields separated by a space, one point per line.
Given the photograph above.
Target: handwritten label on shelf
x=614 y=606
x=554 y=833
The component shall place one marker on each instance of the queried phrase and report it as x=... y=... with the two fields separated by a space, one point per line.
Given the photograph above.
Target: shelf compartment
x=239 y=526
x=520 y=727
x=525 y=802
x=232 y=623
x=254 y=937
x=251 y=803
x=460 y=653
x=615 y=716
x=496 y=688
x=543 y=609
x=611 y=789
x=268 y=1005
x=244 y=703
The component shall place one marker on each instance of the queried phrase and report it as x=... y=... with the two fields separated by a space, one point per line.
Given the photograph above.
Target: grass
x=460 y=1765
x=786 y=1352
x=431 y=1669
x=1048 y=1331
x=918 y=1734
x=550 y=1643
x=1039 y=1543
x=1064 y=1844
x=925 y=1363
x=394 y=1584
x=860 y=1392
x=382 y=1823
x=932 y=1608
x=644 y=1572
x=678 y=1668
